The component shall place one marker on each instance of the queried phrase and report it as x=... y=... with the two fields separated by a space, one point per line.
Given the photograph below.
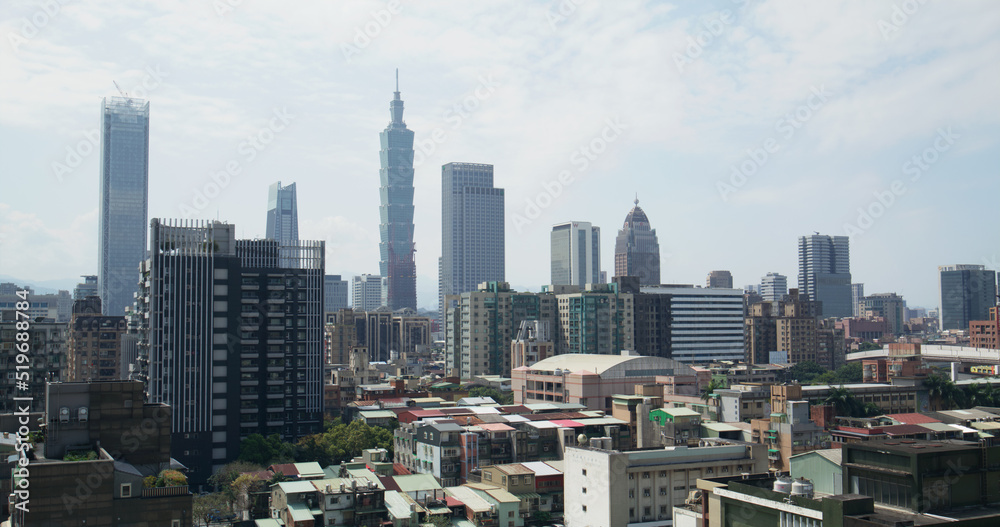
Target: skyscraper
x=396 y=209
x=637 y=250
x=576 y=254
x=282 y=214
x=721 y=279
x=124 y=200
x=230 y=339
x=825 y=273
x=368 y=292
x=857 y=293
x=334 y=293
x=773 y=287
x=967 y=293
x=472 y=229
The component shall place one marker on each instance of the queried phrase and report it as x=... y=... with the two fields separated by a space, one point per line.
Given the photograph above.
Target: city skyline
x=534 y=110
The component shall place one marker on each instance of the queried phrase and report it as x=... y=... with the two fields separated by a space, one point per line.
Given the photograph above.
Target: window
x=631 y=493
x=510 y=514
x=175 y=523
x=663 y=473
x=646 y=512
x=645 y=493
x=584 y=490
x=645 y=475
x=584 y=508
x=631 y=513
x=631 y=476
x=663 y=491
x=126 y=490
x=584 y=472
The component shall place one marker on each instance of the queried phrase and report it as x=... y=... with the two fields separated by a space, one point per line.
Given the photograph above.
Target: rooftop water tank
x=783 y=484
x=802 y=487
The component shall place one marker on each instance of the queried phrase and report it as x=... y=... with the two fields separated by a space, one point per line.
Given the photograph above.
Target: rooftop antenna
x=397 y=79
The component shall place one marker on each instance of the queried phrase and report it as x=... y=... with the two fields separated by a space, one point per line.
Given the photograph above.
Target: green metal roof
x=773 y=450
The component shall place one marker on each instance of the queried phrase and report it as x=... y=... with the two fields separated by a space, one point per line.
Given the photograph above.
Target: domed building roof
x=636 y=216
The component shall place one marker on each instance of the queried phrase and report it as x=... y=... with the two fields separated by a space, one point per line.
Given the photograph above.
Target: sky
x=740 y=125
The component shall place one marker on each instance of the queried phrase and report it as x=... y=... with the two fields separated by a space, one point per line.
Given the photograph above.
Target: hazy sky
x=820 y=106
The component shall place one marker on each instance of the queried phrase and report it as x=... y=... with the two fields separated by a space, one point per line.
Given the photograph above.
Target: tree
x=845 y=403
x=868 y=346
x=224 y=478
x=170 y=478
x=242 y=486
x=504 y=398
x=202 y=505
x=265 y=451
x=716 y=384
x=341 y=442
x=975 y=395
x=805 y=371
x=942 y=392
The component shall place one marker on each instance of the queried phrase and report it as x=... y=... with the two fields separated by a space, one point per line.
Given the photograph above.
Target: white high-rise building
x=773 y=287
x=576 y=254
x=368 y=292
x=706 y=323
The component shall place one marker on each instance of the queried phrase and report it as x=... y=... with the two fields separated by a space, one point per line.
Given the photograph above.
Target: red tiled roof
x=514 y=409
x=287 y=469
x=398 y=469
x=912 y=418
x=859 y=431
x=452 y=501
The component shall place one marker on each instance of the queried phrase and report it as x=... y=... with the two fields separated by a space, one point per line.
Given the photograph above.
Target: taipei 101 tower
x=396 y=209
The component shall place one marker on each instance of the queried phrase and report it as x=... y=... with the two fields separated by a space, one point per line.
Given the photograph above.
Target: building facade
x=230 y=339
x=472 y=229
x=967 y=293
x=773 y=287
x=124 y=206
x=47 y=343
x=88 y=287
x=825 y=273
x=95 y=343
x=706 y=325
x=334 y=293
x=637 y=249
x=368 y=292
x=396 y=209
x=723 y=279
x=889 y=306
x=283 y=218
x=576 y=254
x=857 y=293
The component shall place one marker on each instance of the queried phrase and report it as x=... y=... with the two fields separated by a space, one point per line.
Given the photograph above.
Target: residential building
x=788 y=327
x=864 y=329
x=986 y=333
x=88 y=287
x=396 y=248
x=334 y=293
x=480 y=325
x=825 y=273
x=532 y=343
x=637 y=249
x=593 y=320
x=352 y=499
x=95 y=343
x=722 y=279
x=129 y=440
x=472 y=229
x=616 y=489
x=889 y=306
x=788 y=430
x=576 y=254
x=885 y=370
x=593 y=380
x=47 y=344
x=967 y=294
x=857 y=293
x=650 y=319
x=706 y=325
x=368 y=292
x=384 y=334
x=231 y=340
x=773 y=287
x=124 y=206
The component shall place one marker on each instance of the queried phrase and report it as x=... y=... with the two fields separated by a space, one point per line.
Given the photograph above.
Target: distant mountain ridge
x=44 y=287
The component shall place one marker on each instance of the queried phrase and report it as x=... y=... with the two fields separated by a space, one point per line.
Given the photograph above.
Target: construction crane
x=122 y=91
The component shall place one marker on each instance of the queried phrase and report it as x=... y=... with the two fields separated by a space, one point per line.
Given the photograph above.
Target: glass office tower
x=124 y=200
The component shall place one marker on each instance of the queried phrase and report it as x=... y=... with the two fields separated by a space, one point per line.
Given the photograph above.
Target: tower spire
x=397 y=80
x=636 y=199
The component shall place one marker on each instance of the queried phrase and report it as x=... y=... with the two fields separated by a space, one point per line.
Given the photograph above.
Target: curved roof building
x=637 y=250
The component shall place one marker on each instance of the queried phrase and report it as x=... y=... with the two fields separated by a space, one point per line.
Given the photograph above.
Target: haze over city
x=740 y=126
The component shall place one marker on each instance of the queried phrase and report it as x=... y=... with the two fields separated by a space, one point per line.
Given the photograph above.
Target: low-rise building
x=615 y=489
